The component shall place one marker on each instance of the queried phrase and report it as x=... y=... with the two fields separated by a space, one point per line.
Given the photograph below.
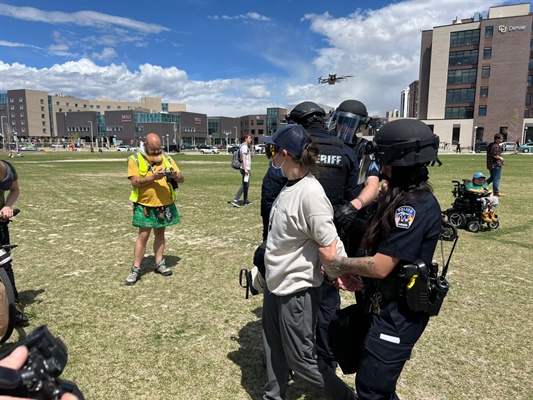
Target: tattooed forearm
x=362 y=266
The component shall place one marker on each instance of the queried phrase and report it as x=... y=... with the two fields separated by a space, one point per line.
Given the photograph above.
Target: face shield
x=345 y=126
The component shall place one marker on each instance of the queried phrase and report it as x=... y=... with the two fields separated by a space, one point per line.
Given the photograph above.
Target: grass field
x=193 y=335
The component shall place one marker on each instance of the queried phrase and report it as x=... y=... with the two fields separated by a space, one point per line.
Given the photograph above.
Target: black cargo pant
x=387 y=347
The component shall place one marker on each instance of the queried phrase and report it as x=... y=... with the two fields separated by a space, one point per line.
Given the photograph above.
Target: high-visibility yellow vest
x=143 y=170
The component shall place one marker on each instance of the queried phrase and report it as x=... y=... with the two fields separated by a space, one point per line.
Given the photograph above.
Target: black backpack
x=236 y=161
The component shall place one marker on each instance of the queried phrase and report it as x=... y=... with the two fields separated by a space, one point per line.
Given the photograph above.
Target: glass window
x=528 y=99
x=526 y=114
x=468 y=57
x=482 y=111
x=462 y=76
x=530 y=64
x=459 y=112
x=22 y=107
x=464 y=38
x=487 y=52
x=531 y=45
x=483 y=91
x=485 y=72
x=489 y=31
x=460 y=95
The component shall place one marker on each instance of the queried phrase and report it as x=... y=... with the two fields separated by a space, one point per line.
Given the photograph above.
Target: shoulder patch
x=404 y=217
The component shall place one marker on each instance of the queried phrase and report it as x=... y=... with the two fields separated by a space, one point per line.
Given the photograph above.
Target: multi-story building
x=476 y=77
x=36 y=115
x=254 y=124
x=412 y=101
x=223 y=130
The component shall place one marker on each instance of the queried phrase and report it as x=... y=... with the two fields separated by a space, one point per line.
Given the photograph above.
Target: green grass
x=193 y=335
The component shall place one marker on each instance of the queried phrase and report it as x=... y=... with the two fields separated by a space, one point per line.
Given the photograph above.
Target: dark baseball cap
x=291 y=137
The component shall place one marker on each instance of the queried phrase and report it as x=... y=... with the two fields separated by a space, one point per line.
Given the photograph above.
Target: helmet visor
x=344 y=125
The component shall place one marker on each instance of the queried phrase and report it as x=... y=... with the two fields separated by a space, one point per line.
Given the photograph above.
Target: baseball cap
x=479 y=175
x=291 y=137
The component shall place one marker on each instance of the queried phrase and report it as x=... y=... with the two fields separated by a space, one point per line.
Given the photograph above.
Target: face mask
x=278 y=170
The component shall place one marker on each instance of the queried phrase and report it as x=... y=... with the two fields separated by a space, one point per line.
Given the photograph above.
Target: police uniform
x=396 y=329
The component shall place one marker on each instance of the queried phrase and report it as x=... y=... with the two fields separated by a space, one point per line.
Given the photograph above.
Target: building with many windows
x=476 y=77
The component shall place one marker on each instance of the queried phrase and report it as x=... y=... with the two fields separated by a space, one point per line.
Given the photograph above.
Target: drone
x=333 y=78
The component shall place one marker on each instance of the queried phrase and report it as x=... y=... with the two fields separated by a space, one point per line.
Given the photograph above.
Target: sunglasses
x=153 y=151
x=272 y=150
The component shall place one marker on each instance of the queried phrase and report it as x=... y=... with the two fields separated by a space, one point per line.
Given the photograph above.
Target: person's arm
x=378 y=266
x=7 y=211
x=368 y=194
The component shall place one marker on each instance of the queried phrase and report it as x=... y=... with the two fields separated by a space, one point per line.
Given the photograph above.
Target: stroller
x=467 y=208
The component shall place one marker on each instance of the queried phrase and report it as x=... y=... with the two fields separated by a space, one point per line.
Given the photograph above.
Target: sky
x=221 y=57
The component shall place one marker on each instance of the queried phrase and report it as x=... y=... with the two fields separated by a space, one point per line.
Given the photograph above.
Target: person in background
x=154 y=177
x=301 y=223
x=404 y=230
x=495 y=164
x=478 y=186
x=247 y=152
x=9 y=184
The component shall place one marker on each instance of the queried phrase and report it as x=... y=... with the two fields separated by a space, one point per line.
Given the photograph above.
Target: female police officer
x=403 y=234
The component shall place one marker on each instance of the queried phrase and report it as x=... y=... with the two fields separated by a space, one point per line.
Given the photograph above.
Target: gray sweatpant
x=289 y=324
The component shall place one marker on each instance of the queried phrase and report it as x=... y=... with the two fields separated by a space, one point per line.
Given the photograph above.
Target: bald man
x=154 y=177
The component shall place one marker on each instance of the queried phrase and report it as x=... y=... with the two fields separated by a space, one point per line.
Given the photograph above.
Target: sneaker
x=133 y=276
x=500 y=195
x=247 y=202
x=235 y=203
x=161 y=268
x=20 y=317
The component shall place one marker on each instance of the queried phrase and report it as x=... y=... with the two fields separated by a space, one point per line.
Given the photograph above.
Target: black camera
x=169 y=171
x=39 y=376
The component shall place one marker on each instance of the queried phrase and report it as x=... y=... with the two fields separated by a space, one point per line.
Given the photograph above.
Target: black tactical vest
x=332 y=172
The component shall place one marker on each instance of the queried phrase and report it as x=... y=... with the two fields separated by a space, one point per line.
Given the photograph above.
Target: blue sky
x=221 y=57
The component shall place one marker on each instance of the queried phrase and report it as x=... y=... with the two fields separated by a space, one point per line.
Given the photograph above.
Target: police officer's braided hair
x=405 y=183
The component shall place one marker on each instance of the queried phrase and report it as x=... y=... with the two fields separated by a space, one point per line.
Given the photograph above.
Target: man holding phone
x=154 y=177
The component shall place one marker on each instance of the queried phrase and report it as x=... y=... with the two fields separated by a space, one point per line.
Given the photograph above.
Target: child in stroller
x=474 y=204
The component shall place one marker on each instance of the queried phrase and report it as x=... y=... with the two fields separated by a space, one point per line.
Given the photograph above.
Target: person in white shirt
x=246 y=151
x=301 y=225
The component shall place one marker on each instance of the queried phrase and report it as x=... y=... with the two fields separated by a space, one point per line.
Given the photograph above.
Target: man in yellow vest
x=154 y=177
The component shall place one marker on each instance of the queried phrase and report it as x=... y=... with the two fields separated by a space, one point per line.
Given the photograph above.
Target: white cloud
x=15 y=44
x=80 y=18
x=106 y=54
x=248 y=16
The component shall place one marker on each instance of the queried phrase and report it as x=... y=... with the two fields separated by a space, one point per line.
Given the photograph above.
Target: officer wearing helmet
x=338 y=171
x=347 y=122
x=402 y=236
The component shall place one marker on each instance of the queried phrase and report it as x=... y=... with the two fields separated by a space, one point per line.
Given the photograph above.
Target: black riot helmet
x=347 y=120
x=306 y=113
x=405 y=142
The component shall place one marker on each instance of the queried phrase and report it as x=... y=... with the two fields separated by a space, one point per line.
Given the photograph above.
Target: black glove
x=344 y=218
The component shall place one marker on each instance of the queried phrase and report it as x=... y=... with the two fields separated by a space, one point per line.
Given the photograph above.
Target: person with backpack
x=154 y=177
x=245 y=155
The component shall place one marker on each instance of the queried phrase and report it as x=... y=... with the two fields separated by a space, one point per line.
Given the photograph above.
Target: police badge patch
x=404 y=217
